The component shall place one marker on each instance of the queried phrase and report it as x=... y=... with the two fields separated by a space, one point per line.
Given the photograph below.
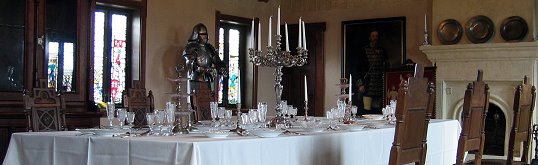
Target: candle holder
x=426 y=38
x=277 y=58
x=238 y=129
x=306 y=111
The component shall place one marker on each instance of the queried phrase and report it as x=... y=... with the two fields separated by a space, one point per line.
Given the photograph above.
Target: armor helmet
x=199 y=33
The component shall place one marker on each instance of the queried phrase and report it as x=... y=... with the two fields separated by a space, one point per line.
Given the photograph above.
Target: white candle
x=425 y=23
x=252 y=34
x=350 y=86
x=304 y=36
x=287 y=41
x=188 y=91
x=278 y=22
x=259 y=35
x=300 y=32
x=305 y=89
x=269 y=38
x=239 y=90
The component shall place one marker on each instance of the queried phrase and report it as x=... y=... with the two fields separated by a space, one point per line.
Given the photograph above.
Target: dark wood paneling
x=293 y=80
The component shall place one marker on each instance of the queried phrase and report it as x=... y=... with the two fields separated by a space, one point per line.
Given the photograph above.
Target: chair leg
x=460 y=156
x=525 y=152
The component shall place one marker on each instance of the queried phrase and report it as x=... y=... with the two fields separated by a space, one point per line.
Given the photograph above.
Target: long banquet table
x=366 y=147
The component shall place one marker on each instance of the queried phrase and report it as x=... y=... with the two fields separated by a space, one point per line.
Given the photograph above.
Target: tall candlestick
x=305 y=89
x=287 y=41
x=300 y=33
x=269 y=38
x=304 y=35
x=252 y=34
x=350 y=86
x=259 y=35
x=278 y=22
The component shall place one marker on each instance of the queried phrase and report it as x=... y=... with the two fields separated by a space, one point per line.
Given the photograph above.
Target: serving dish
x=449 y=32
x=479 y=29
x=514 y=28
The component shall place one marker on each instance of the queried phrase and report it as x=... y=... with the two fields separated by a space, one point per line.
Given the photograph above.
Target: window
x=111 y=53
x=232 y=50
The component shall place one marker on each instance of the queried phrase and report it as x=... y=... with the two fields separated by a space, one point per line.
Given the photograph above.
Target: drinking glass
x=228 y=116
x=253 y=115
x=150 y=118
x=214 y=110
x=221 y=113
x=353 y=111
x=159 y=118
x=130 y=118
x=122 y=115
x=110 y=110
x=284 y=106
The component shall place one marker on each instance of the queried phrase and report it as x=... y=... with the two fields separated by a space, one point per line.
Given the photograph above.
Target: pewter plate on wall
x=514 y=28
x=479 y=29
x=449 y=32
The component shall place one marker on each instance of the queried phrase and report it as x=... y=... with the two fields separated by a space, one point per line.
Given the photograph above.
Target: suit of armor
x=202 y=61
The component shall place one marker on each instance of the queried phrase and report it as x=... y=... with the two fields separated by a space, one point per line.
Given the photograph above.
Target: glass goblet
x=122 y=115
x=130 y=118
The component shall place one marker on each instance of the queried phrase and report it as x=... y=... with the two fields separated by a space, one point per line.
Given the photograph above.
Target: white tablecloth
x=367 y=147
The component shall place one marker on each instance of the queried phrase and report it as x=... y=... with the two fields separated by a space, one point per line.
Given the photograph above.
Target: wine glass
x=122 y=114
x=353 y=111
x=150 y=118
x=130 y=118
x=159 y=119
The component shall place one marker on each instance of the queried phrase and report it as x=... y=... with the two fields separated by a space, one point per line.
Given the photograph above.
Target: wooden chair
x=413 y=111
x=44 y=109
x=202 y=97
x=521 y=132
x=135 y=100
x=475 y=107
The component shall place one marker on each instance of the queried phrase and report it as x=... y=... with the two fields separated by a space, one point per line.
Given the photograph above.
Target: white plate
x=373 y=117
x=217 y=134
x=266 y=133
x=352 y=127
x=103 y=132
x=317 y=129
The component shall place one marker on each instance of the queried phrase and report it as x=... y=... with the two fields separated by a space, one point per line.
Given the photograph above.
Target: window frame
x=243 y=25
x=109 y=10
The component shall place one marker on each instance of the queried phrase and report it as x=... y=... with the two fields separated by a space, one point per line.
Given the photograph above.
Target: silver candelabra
x=277 y=58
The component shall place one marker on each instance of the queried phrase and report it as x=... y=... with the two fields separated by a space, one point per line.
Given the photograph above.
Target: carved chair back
x=44 y=109
x=475 y=107
x=202 y=97
x=524 y=98
x=413 y=111
x=136 y=100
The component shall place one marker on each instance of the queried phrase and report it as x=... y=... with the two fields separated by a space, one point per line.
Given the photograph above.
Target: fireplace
x=504 y=66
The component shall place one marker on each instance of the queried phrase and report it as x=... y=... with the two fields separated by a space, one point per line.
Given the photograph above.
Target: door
x=293 y=78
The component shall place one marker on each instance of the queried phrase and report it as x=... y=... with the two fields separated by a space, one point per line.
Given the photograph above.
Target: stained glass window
x=231 y=38
x=52 y=68
x=221 y=56
x=110 y=56
x=68 y=66
x=98 y=44
x=233 y=66
x=119 y=36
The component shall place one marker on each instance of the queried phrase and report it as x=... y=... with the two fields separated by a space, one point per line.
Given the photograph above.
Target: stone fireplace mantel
x=504 y=66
